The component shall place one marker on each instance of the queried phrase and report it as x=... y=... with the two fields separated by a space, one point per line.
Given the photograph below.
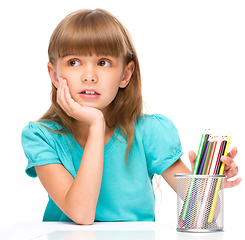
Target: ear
x=128 y=72
x=53 y=74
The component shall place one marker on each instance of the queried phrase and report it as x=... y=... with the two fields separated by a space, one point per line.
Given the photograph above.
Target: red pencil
x=217 y=161
x=220 y=155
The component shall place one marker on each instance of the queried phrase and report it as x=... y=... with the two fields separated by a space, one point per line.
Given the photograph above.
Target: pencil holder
x=200 y=203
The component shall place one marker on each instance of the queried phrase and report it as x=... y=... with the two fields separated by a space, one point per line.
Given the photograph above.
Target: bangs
x=88 y=32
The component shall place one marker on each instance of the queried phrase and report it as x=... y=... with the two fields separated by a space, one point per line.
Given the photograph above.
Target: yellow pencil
x=210 y=218
x=221 y=171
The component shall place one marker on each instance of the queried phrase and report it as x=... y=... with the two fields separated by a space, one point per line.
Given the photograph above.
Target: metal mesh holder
x=200 y=203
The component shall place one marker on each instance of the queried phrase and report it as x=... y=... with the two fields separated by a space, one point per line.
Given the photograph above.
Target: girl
x=94 y=150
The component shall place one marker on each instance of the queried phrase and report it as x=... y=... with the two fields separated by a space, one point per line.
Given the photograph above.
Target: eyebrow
x=66 y=55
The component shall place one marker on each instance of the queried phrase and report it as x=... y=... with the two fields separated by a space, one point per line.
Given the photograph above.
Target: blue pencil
x=204 y=157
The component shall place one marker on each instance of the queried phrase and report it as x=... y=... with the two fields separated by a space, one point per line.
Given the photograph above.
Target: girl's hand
x=231 y=169
x=84 y=114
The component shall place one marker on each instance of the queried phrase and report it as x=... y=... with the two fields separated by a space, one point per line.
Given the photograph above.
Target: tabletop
x=109 y=231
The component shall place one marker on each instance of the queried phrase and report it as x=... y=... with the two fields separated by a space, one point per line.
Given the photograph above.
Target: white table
x=110 y=231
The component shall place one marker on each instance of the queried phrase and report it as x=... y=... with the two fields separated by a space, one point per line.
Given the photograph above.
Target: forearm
x=81 y=199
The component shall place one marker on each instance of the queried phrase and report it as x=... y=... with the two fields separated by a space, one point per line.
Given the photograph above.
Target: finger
x=59 y=89
x=61 y=96
x=230 y=184
x=192 y=157
x=232 y=153
x=69 y=100
x=229 y=163
x=67 y=95
x=231 y=173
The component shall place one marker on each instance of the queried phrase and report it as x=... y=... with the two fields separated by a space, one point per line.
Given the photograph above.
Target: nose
x=89 y=75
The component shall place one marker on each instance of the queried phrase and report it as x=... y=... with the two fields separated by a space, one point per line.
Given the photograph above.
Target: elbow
x=83 y=220
x=81 y=214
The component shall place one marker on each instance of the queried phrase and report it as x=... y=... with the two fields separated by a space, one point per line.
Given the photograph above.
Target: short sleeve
x=38 y=147
x=161 y=143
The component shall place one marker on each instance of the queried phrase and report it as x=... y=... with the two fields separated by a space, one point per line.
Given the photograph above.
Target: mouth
x=89 y=92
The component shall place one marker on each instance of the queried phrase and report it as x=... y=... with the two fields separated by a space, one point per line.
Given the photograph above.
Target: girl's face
x=92 y=80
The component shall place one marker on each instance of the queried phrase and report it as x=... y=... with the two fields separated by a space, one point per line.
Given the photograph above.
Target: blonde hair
x=87 y=32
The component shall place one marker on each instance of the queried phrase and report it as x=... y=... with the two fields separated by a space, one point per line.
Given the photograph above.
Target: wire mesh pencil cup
x=200 y=203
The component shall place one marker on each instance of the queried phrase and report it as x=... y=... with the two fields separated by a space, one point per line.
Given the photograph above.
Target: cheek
x=113 y=87
x=63 y=74
x=70 y=77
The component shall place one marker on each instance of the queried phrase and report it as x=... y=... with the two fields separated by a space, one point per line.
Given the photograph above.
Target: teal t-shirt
x=126 y=193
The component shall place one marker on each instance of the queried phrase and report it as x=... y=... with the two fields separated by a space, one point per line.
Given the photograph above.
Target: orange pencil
x=211 y=156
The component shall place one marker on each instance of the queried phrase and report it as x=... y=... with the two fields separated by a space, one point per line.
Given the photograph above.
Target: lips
x=89 y=94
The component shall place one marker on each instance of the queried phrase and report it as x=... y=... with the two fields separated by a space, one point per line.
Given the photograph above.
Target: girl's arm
x=231 y=170
x=177 y=167
x=77 y=198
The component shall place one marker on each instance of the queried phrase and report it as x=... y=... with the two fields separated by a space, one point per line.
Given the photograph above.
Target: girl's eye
x=104 y=63
x=74 y=63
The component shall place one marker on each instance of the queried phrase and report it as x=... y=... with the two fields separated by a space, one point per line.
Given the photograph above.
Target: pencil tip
x=181 y=223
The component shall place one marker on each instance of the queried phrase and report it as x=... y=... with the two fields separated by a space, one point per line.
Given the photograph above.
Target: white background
x=192 y=56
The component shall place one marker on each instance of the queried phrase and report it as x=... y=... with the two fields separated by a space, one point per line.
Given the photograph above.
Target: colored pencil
x=220 y=155
x=204 y=203
x=225 y=154
x=199 y=186
x=206 y=185
x=212 y=185
x=210 y=161
x=200 y=153
x=207 y=156
x=204 y=151
x=196 y=166
x=210 y=148
x=207 y=198
x=192 y=205
x=203 y=157
x=215 y=197
x=219 y=142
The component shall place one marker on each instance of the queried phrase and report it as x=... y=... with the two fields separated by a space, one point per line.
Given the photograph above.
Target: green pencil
x=200 y=150
x=195 y=170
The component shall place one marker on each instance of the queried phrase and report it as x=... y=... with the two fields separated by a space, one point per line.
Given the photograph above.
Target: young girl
x=94 y=150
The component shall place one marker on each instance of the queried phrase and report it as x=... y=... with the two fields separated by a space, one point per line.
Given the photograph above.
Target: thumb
x=192 y=157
